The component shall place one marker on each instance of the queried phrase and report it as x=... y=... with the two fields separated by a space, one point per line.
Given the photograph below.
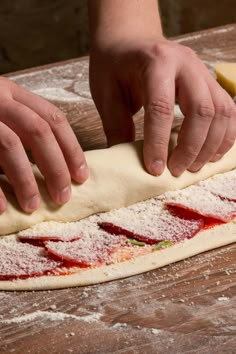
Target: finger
x=197 y=106
x=116 y=116
x=17 y=168
x=3 y=202
x=37 y=136
x=229 y=137
x=218 y=127
x=62 y=130
x=159 y=97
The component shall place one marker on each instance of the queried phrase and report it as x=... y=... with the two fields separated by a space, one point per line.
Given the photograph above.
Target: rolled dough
x=117 y=179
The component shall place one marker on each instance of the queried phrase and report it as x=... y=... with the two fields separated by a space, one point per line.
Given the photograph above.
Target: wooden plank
x=188 y=307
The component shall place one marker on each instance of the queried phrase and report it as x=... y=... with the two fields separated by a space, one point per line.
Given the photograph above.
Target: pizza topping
x=199 y=200
x=52 y=231
x=20 y=261
x=150 y=222
x=93 y=248
x=162 y=244
x=64 y=248
x=128 y=252
x=134 y=242
x=57 y=231
x=223 y=185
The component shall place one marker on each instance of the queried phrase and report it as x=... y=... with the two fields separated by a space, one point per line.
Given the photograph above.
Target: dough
x=117 y=179
x=203 y=241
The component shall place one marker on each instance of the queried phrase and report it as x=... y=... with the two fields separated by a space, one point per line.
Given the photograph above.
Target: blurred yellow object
x=226 y=76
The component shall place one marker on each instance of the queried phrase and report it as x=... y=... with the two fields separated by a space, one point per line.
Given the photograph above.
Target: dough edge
x=205 y=240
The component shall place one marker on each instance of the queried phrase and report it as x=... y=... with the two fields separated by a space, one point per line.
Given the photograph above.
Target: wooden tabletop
x=188 y=307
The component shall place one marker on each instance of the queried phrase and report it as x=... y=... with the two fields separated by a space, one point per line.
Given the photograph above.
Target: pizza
x=123 y=241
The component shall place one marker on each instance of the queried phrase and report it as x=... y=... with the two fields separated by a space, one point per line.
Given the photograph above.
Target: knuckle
x=5 y=102
x=9 y=141
x=59 y=174
x=190 y=152
x=56 y=117
x=159 y=107
x=189 y=52
x=205 y=110
x=229 y=141
x=159 y=145
x=29 y=186
x=40 y=129
x=76 y=155
x=224 y=110
x=151 y=51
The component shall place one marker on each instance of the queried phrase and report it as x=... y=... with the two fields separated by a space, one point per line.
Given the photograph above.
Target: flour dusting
x=66 y=82
x=52 y=316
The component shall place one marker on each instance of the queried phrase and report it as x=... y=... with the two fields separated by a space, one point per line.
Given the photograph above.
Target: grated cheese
x=151 y=221
x=200 y=200
x=19 y=260
x=94 y=246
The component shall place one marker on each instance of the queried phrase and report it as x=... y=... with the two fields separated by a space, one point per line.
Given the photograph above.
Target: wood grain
x=188 y=307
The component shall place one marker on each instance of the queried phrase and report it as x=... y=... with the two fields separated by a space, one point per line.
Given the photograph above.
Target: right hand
x=29 y=122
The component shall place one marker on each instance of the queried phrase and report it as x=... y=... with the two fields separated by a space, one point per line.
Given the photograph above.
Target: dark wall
x=35 y=32
x=183 y=16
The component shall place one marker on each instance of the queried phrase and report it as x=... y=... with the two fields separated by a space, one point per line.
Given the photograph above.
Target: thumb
x=116 y=117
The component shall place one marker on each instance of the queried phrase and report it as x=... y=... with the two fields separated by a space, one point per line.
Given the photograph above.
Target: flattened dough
x=204 y=241
x=117 y=179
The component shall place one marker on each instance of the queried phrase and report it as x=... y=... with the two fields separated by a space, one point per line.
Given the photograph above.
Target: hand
x=128 y=74
x=28 y=121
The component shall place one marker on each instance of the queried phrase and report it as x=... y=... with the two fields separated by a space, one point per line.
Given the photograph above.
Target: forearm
x=112 y=20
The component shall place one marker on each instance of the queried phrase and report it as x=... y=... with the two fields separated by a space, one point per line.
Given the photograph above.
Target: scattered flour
x=119 y=325
x=155 y=331
x=200 y=35
x=52 y=316
x=66 y=82
x=223 y=298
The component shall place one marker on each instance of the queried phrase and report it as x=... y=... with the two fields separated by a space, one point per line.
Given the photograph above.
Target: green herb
x=162 y=244
x=136 y=242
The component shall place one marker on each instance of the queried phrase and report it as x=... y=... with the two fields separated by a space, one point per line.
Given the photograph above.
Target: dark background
x=35 y=32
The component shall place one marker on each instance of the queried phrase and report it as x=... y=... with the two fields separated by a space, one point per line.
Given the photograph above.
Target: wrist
x=120 y=21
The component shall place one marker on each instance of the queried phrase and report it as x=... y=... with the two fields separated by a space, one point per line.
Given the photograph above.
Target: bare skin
x=29 y=122
x=131 y=65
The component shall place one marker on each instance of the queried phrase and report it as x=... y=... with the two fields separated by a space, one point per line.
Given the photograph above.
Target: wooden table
x=188 y=307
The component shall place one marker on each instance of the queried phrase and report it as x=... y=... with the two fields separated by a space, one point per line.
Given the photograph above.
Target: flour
x=66 y=82
x=119 y=325
x=52 y=316
x=200 y=35
x=155 y=331
x=223 y=298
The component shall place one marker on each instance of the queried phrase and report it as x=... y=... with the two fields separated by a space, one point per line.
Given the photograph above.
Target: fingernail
x=32 y=204
x=157 y=167
x=64 y=195
x=82 y=173
x=3 y=205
